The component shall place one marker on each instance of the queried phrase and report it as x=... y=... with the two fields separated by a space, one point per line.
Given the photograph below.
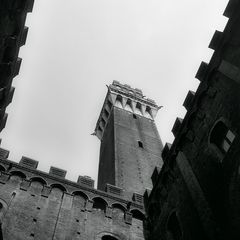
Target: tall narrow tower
x=130 y=143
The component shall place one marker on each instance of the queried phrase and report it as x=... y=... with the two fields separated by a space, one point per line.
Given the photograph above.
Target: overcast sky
x=76 y=47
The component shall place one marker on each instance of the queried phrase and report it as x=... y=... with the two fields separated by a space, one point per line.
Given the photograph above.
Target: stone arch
x=38 y=179
x=79 y=199
x=57 y=191
x=138 y=108
x=128 y=105
x=148 y=111
x=137 y=214
x=118 y=211
x=110 y=235
x=119 y=101
x=99 y=203
x=16 y=177
x=36 y=184
x=58 y=186
x=19 y=174
x=119 y=206
x=80 y=193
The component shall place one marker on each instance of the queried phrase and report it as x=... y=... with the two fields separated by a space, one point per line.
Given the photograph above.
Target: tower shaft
x=130 y=143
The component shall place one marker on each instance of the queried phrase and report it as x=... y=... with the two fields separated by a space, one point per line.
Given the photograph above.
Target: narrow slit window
x=140 y=144
x=134 y=116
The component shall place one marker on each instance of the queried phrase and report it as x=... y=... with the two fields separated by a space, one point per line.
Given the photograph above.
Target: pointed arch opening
x=138 y=109
x=128 y=105
x=119 y=101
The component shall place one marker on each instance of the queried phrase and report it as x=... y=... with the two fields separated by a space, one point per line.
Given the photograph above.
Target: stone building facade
x=195 y=181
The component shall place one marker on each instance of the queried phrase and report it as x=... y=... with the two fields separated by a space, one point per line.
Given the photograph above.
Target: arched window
x=118 y=211
x=79 y=199
x=222 y=137
x=108 y=237
x=173 y=227
x=99 y=204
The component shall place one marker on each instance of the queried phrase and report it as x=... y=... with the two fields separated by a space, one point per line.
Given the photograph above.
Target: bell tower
x=130 y=144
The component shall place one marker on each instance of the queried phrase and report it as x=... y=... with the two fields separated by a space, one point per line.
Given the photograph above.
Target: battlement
x=27 y=170
x=127 y=98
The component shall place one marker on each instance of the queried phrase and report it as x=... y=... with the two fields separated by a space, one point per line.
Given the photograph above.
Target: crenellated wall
x=38 y=205
x=196 y=193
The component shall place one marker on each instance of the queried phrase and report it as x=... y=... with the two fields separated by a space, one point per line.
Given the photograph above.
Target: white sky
x=76 y=47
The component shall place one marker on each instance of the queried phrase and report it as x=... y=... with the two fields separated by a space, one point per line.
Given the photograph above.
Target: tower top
x=127 y=98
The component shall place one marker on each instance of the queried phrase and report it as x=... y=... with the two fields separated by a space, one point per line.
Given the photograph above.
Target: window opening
x=134 y=116
x=140 y=144
x=222 y=137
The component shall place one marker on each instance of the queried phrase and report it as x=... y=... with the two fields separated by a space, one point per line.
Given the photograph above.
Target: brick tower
x=130 y=143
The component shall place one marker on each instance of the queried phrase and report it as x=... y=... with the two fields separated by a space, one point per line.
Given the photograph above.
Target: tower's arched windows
x=221 y=136
x=173 y=227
